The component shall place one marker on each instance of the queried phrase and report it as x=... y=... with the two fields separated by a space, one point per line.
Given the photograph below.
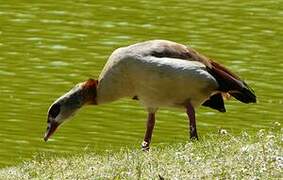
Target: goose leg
x=192 y=119
x=148 y=133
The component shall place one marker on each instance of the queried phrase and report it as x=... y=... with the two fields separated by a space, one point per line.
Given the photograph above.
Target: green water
x=48 y=46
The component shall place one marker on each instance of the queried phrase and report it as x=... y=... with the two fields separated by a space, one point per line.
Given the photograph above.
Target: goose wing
x=230 y=83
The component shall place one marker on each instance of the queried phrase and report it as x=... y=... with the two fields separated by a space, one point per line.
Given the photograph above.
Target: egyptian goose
x=158 y=73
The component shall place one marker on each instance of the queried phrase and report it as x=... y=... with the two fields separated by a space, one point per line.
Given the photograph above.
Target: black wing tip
x=215 y=102
x=245 y=95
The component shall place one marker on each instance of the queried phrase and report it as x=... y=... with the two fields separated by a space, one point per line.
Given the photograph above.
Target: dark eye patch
x=54 y=110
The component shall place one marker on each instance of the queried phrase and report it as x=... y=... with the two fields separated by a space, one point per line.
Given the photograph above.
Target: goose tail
x=231 y=83
x=245 y=94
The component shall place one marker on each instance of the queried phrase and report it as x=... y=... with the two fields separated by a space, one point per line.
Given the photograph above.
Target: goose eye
x=54 y=110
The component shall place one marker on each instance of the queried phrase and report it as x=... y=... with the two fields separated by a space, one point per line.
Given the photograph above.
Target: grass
x=218 y=156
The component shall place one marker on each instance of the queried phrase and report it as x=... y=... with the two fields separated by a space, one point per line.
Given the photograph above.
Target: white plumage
x=156 y=81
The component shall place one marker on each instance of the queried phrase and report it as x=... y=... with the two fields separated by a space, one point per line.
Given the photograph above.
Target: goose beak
x=51 y=128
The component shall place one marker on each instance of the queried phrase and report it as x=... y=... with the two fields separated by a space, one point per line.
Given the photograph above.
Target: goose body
x=155 y=81
x=158 y=73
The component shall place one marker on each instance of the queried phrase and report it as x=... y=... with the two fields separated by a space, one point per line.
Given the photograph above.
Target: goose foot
x=145 y=146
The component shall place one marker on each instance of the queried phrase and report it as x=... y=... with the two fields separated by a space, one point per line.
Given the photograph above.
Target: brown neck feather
x=90 y=93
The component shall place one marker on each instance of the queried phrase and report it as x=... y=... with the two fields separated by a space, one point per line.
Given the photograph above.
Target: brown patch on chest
x=135 y=98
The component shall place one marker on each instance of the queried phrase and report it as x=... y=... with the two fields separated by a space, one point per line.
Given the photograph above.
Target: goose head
x=68 y=104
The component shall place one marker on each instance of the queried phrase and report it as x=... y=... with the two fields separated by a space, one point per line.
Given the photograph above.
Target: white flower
x=223 y=131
